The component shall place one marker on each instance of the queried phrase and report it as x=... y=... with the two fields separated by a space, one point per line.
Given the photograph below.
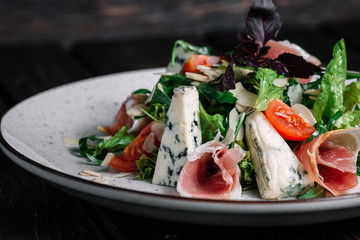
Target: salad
x=266 y=116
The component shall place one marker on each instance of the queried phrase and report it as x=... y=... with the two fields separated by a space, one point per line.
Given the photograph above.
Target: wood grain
x=68 y=21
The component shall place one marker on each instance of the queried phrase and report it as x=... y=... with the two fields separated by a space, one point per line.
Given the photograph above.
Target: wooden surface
x=30 y=208
x=35 y=20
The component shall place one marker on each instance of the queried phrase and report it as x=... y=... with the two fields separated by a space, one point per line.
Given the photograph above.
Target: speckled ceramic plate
x=32 y=133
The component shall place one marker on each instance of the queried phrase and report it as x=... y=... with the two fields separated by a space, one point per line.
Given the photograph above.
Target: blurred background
x=69 y=21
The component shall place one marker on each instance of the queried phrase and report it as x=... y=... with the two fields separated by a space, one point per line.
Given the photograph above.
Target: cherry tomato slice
x=195 y=60
x=289 y=125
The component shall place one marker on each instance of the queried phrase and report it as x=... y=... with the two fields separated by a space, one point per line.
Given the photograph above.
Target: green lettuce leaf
x=210 y=124
x=348 y=120
x=268 y=91
x=351 y=95
x=247 y=176
x=330 y=99
x=146 y=165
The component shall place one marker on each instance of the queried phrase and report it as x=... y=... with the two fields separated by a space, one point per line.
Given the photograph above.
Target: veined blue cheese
x=279 y=174
x=181 y=136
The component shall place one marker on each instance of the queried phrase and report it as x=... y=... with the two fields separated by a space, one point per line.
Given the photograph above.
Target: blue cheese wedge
x=279 y=174
x=181 y=136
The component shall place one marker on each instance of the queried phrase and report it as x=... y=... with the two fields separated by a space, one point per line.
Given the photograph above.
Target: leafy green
x=142 y=90
x=247 y=176
x=146 y=165
x=188 y=47
x=351 y=95
x=173 y=81
x=352 y=75
x=324 y=127
x=268 y=91
x=330 y=99
x=95 y=148
x=348 y=120
x=119 y=141
x=316 y=192
x=238 y=127
x=210 y=124
x=88 y=148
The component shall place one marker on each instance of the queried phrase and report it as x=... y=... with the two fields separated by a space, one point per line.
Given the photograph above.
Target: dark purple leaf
x=246 y=49
x=264 y=50
x=263 y=21
x=276 y=65
x=227 y=81
x=297 y=66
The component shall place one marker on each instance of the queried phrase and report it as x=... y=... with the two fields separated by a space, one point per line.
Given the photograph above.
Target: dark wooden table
x=31 y=208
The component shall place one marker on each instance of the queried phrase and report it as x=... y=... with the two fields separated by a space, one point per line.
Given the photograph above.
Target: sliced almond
x=87 y=172
x=122 y=174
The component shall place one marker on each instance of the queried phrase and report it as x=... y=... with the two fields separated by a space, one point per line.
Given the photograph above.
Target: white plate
x=32 y=132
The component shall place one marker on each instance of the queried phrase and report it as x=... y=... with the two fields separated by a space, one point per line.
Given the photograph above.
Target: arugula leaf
x=268 y=91
x=119 y=141
x=86 y=144
x=95 y=148
x=210 y=124
x=332 y=85
x=324 y=127
x=142 y=90
x=316 y=192
x=188 y=47
x=173 y=81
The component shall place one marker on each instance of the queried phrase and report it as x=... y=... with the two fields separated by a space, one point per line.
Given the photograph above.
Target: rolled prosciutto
x=124 y=119
x=144 y=143
x=331 y=159
x=212 y=172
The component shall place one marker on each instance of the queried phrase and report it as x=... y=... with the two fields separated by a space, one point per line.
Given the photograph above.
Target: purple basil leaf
x=227 y=81
x=297 y=66
x=264 y=50
x=246 y=49
x=279 y=67
x=263 y=21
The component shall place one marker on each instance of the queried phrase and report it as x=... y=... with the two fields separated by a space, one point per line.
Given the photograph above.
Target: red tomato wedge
x=195 y=60
x=289 y=125
x=126 y=161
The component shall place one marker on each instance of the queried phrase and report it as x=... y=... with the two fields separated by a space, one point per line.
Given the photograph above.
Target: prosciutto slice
x=212 y=172
x=123 y=118
x=149 y=138
x=331 y=159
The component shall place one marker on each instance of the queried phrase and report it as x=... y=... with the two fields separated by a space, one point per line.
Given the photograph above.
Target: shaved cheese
x=107 y=159
x=312 y=92
x=280 y=82
x=122 y=174
x=233 y=121
x=305 y=113
x=295 y=94
x=136 y=110
x=197 y=77
x=245 y=99
x=87 y=172
x=101 y=181
x=70 y=141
